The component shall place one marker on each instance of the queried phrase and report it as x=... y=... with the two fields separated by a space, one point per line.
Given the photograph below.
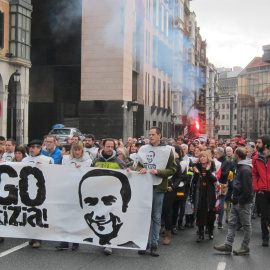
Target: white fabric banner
x=102 y=207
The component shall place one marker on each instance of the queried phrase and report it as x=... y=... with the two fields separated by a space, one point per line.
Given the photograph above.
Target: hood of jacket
x=245 y=162
x=109 y=158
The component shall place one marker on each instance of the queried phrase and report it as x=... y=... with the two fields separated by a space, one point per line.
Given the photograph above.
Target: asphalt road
x=182 y=253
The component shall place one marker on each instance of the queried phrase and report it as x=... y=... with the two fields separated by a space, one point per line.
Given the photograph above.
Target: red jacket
x=261 y=172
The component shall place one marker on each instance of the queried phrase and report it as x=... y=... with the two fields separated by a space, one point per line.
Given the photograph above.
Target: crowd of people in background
x=211 y=182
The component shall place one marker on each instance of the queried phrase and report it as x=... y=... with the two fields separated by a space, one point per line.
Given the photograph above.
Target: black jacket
x=242 y=183
x=196 y=187
x=225 y=169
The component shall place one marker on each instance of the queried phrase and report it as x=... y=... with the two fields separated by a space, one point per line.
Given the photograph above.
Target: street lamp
x=16 y=78
x=134 y=105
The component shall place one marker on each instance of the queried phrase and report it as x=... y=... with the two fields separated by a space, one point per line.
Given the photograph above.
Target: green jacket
x=170 y=170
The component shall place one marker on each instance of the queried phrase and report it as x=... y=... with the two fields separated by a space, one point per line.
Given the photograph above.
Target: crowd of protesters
x=204 y=188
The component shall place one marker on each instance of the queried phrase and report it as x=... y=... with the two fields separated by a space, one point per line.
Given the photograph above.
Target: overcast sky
x=235 y=30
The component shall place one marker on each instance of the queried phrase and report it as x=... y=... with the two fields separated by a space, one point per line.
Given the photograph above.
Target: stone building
x=15 y=44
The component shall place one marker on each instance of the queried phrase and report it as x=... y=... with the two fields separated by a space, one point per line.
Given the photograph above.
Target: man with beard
x=109 y=159
x=261 y=183
x=89 y=146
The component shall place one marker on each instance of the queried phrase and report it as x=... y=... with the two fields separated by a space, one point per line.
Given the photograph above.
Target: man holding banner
x=158 y=160
x=35 y=156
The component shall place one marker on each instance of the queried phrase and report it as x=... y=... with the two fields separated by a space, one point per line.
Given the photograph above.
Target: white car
x=65 y=132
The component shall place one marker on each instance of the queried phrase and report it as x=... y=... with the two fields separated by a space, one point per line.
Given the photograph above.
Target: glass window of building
x=20 y=29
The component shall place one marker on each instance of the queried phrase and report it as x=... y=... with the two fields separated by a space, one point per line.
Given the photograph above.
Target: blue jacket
x=56 y=155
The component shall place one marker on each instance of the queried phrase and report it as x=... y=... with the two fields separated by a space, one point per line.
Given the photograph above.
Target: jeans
x=156 y=215
x=243 y=212
x=264 y=204
x=221 y=210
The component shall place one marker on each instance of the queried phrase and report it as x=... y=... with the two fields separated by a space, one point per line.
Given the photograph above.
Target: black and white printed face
x=102 y=210
x=150 y=157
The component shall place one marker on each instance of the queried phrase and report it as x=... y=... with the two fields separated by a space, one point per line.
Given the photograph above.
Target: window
x=159 y=92
x=1 y=30
x=169 y=96
x=161 y=17
x=156 y=13
x=20 y=26
x=223 y=106
x=164 y=94
x=235 y=117
x=223 y=117
x=228 y=106
x=155 y=52
x=154 y=91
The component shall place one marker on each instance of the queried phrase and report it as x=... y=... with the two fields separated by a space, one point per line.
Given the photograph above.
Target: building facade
x=15 y=44
x=227 y=107
x=253 y=112
x=89 y=65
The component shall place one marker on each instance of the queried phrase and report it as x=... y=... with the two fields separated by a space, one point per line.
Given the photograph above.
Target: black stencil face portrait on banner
x=104 y=208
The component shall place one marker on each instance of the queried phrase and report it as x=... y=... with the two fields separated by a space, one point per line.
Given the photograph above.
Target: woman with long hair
x=75 y=158
x=203 y=194
x=20 y=154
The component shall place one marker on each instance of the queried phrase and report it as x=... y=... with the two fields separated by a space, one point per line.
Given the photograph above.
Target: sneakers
x=174 y=231
x=241 y=251
x=62 y=246
x=224 y=248
x=265 y=243
x=154 y=252
x=220 y=226
x=107 y=251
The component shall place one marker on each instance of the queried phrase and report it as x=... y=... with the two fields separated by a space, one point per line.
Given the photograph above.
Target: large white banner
x=81 y=205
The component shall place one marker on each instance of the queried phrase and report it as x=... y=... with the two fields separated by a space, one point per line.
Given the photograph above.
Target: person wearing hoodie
x=241 y=204
x=108 y=157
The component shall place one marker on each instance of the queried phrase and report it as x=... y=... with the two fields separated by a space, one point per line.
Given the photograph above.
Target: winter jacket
x=196 y=188
x=261 y=172
x=225 y=169
x=112 y=162
x=242 y=183
x=55 y=155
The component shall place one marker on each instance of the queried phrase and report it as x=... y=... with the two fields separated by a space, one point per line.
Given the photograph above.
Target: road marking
x=221 y=266
x=13 y=249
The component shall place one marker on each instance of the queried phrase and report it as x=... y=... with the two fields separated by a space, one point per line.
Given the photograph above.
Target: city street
x=182 y=253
